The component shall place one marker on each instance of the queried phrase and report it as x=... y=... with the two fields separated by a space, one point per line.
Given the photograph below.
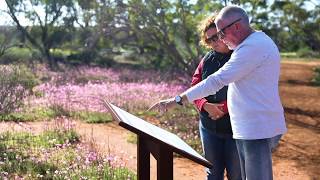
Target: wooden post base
x=162 y=154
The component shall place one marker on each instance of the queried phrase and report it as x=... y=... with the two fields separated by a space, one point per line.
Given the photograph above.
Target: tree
x=298 y=22
x=7 y=39
x=46 y=18
x=166 y=30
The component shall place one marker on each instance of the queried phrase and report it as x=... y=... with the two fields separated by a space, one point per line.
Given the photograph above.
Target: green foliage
x=54 y=111
x=16 y=158
x=92 y=117
x=16 y=83
x=46 y=32
x=8 y=39
x=307 y=53
x=53 y=154
x=132 y=138
x=298 y=24
x=165 y=33
x=84 y=57
x=59 y=110
x=144 y=114
x=38 y=114
x=288 y=54
x=160 y=34
x=184 y=123
x=47 y=139
x=316 y=79
x=58 y=136
x=19 y=55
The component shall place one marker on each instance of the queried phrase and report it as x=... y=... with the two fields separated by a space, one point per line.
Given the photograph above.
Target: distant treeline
x=157 y=33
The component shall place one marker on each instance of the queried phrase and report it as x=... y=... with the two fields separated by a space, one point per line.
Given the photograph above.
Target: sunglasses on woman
x=211 y=39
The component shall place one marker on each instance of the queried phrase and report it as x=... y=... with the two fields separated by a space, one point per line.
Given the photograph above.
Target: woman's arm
x=196 y=78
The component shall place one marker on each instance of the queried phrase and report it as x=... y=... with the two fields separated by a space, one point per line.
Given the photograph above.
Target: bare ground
x=297 y=158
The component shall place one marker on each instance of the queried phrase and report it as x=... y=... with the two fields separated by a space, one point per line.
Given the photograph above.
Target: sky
x=6 y=19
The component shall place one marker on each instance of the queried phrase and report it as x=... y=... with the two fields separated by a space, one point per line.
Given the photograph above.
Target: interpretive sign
x=159 y=142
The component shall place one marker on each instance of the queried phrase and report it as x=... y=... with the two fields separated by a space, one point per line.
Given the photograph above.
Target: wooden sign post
x=159 y=142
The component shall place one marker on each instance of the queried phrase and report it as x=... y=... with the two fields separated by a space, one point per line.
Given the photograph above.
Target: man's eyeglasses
x=221 y=33
x=211 y=39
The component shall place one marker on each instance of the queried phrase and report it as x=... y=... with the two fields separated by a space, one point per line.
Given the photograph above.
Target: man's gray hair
x=233 y=12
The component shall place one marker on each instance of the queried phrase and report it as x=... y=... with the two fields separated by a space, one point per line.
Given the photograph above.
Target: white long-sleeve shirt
x=252 y=74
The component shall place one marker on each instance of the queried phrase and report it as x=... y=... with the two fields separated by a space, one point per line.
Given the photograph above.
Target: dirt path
x=297 y=158
x=183 y=169
x=284 y=169
x=111 y=138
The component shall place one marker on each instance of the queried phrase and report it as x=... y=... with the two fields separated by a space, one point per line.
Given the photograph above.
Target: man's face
x=227 y=32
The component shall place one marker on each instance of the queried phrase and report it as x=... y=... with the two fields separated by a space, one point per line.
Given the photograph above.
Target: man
x=252 y=73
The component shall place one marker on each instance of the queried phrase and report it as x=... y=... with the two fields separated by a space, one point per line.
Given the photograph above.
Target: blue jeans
x=255 y=158
x=221 y=151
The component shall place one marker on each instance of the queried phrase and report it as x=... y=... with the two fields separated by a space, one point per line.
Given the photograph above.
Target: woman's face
x=214 y=42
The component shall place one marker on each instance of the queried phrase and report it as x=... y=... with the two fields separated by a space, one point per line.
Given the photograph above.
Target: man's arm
x=240 y=65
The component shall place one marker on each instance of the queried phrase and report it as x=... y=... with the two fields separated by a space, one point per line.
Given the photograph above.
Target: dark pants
x=256 y=157
x=221 y=151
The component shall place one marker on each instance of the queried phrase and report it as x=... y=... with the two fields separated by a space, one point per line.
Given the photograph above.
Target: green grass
x=19 y=52
x=19 y=150
x=54 y=154
x=16 y=54
x=182 y=121
x=288 y=54
x=41 y=114
x=86 y=116
x=132 y=138
x=36 y=114
x=92 y=117
x=296 y=56
x=46 y=140
x=303 y=53
x=62 y=52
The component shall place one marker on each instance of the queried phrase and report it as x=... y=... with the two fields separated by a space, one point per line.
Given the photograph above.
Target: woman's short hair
x=204 y=26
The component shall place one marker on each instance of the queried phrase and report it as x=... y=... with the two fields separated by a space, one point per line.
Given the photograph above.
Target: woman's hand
x=214 y=110
x=163 y=105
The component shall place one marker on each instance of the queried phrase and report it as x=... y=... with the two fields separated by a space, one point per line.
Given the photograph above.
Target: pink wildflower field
x=84 y=88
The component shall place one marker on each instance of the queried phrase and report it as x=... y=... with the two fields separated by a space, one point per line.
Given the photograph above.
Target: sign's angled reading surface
x=155 y=132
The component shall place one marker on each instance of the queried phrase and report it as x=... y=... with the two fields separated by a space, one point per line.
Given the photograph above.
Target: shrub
x=20 y=55
x=16 y=83
x=316 y=79
x=84 y=57
x=307 y=53
x=93 y=117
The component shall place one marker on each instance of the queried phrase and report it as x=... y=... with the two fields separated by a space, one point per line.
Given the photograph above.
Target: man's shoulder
x=257 y=40
x=259 y=37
